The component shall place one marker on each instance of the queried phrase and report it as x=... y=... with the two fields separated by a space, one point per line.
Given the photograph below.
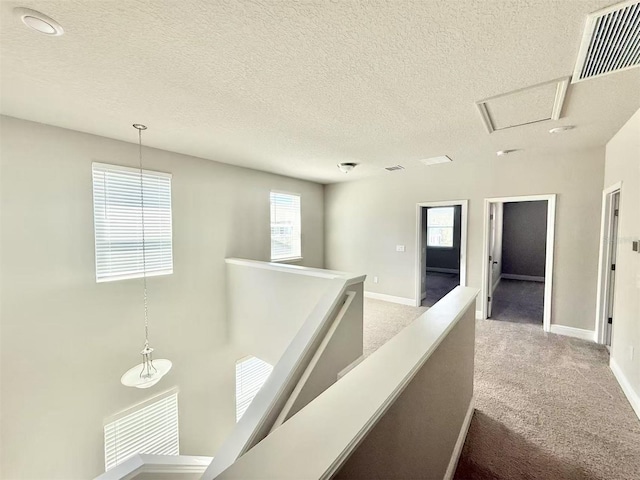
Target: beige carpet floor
x=547 y=406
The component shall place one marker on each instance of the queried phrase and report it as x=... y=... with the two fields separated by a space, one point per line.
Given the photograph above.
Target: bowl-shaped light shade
x=133 y=378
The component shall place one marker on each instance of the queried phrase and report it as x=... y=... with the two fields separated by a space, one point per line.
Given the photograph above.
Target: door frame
x=464 y=204
x=606 y=222
x=550 y=243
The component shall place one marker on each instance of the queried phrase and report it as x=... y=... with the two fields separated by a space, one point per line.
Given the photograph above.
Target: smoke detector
x=394 y=168
x=563 y=128
x=609 y=42
x=39 y=22
x=346 y=167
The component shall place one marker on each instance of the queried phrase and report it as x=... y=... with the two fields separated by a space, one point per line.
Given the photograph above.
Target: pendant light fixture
x=150 y=371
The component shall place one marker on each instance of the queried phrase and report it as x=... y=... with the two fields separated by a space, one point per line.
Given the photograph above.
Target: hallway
x=547 y=406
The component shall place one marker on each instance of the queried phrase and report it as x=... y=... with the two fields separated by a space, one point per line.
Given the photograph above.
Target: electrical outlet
x=375 y=279
x=400 y=248
x=631 y=352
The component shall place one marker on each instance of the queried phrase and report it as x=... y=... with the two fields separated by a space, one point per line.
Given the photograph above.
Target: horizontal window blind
x=251 y=373
x=117 y=212
x=440 y=227
x=151 y=429
x=285 y=226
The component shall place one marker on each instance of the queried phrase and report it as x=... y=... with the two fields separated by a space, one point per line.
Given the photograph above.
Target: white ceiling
x=294 y=87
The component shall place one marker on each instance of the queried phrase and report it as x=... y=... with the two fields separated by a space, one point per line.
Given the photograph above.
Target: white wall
x=366 y=219
x=67 y=340
x=623 y=164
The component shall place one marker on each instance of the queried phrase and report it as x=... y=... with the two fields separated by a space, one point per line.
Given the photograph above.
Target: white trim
x=442 y=270
x=390 y=298
x=581 y=333
x=144 y=463
x=528 y=278
x=603 y=257
x=350 y=367
x=464 y=204
x=632 y=396
x=462 y=436
x=550 y=247
x=479 y=315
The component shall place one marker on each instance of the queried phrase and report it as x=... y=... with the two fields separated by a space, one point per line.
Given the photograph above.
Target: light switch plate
x=399 y=248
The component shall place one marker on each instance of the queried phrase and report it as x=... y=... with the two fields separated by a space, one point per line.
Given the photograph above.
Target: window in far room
x=440 y=227
x=286 y=228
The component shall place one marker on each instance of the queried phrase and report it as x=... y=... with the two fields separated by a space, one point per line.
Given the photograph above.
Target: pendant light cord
x=144 y=253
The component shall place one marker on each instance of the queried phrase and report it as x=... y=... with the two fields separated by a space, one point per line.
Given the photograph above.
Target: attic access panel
x=537 y=103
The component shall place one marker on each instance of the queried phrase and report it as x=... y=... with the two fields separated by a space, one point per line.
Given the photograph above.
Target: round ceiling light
x=39 y=22
x=561 y=129
x=347 y=167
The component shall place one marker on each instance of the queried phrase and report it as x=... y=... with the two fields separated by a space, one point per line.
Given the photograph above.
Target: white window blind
x=251 y=373
x=440 y=227
x=149 y=428
x=285 y=226
x=117 y=212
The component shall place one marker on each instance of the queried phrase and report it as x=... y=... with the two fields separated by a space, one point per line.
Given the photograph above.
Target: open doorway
x=441 y=252
x=518 y=246
x=607 y=264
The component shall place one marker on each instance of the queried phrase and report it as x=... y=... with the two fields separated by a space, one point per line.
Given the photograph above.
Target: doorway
x=441 y=249
x=518 y=252
x=607 y=264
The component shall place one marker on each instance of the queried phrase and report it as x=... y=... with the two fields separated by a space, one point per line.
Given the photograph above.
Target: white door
x=492 y=256
x=613 y=247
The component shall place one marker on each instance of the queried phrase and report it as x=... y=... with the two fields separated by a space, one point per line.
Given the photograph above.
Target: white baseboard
x=442 y=270
x=632 y=396
x=457 y=449
x=390 y=298
x=350 y=367
x=589 y=335
x=529 y=278
x=479 y=315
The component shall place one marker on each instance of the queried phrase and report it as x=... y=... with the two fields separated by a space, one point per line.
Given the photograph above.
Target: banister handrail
x=315 y=443
x=266 y=407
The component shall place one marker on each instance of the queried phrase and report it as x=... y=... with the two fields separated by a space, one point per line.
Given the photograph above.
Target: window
x=251 y=373
x=440 y=227
x=151 y=427
x=117 y=214
x=285 y=226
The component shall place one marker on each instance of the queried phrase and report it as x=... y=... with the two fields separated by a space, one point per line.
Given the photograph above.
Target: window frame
x=452 y=227
x=294 y=258
x=139 y=273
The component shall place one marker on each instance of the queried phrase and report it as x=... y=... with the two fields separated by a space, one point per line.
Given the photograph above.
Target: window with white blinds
x=251 y=373
x=117 y=213
x=149 y=428
x=285 y=226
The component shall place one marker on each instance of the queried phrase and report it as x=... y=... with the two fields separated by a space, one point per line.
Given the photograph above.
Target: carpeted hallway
x=547 y=406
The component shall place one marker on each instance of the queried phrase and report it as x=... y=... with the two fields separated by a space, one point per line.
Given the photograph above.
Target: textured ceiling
x=294 y=87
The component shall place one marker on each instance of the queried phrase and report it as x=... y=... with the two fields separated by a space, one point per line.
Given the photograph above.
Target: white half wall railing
x=266 y=303
x=401 y=413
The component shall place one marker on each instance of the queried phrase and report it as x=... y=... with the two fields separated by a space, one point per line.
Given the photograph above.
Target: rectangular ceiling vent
x=610 y=42
x=395 y=168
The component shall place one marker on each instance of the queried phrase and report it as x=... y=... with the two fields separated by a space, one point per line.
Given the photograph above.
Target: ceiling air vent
x=395 y=168
x=610 y=43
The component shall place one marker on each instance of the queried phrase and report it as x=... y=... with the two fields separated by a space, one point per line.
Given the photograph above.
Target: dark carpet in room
x=518 y=301
x=438 y=285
